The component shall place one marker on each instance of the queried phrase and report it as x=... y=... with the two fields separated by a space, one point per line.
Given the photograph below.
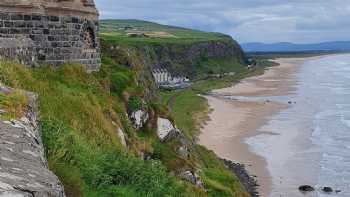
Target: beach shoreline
x=233 y=119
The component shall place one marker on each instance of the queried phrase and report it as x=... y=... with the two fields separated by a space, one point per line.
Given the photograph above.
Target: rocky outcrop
x=249 y=182
x=23 y=167
x=121 y=134
x=166 y=130
x=192 y=178
x=306 y=188
x=139 y=118
x=327 y=189
x=122 y=137
x=183 y=152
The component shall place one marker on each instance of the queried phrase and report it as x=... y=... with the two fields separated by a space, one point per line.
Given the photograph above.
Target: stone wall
x=58 y=35
x=24 y=170
x=21 y=49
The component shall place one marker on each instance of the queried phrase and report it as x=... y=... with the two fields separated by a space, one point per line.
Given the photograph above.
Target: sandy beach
x=232 y=121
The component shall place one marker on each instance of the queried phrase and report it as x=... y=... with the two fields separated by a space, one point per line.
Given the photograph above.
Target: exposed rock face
x=56 y=32
x=23 y=167
x=192 y=178
x=179 y=59
x=166 y=130
x=122 y=137
x=139 y=118
x=249 y=182
x=183 y=152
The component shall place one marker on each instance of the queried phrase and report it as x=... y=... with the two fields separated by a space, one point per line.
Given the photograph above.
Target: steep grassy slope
x=186 y=52
x=77 y=115
x=81 y=114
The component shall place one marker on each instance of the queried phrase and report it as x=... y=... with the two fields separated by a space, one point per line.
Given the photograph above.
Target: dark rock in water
x=249 y=182
x=327 y=189
x=306 y=188
x=289 y=102
x=337 y=191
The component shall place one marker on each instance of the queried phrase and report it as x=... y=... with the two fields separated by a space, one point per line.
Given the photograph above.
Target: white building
x=164 y=78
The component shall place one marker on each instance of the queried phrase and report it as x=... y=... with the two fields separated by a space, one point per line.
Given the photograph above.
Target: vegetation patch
x=14 y=104
x=135 y=103
x=81 y=113
x=190 y=110
x=82 y=146
x=136 y=32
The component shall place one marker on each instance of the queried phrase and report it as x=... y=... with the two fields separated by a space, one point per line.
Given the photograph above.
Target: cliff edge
x=23 y=167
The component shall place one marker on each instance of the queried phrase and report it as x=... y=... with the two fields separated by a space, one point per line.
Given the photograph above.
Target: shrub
x=135 y=103
x=103 y=171
x=119 y=82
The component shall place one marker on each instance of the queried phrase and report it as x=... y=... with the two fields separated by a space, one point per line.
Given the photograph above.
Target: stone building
x=50 y=32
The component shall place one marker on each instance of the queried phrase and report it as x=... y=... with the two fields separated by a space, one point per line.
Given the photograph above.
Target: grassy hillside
x=186 y=52
x=81 y=113
x=77 y=115
x=137 y=32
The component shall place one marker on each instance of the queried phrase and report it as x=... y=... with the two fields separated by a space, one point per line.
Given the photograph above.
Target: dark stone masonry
x=53 y=32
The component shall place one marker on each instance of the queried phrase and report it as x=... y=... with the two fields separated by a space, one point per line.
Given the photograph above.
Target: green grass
x=189 y=111
x=83 y=149
x=219 y=66
x=114 y=31
x=217 y=178
x=175 y=52
x=203 y=86
x=14 y=104
x=78 y=110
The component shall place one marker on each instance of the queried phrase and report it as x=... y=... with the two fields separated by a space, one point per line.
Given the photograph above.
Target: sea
x=308 y=143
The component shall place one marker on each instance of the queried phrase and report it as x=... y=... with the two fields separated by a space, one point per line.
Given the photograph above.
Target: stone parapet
x=24 y=169
x=59 y=31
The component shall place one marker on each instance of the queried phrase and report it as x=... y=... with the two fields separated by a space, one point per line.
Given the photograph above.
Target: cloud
x=246 y=20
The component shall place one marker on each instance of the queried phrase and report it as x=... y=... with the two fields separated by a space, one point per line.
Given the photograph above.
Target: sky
x=298 y=21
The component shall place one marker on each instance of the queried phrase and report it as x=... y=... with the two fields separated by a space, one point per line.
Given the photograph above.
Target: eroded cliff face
x=179 y=59
x=183 y=59
x=23 y=166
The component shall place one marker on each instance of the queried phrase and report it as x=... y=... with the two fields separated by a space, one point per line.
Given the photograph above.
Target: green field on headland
x=134 y=32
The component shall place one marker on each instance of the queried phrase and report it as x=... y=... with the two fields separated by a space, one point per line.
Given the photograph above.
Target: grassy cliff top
x=141 y=32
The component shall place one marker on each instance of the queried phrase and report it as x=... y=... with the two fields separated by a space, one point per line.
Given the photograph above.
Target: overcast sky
x=300 y=21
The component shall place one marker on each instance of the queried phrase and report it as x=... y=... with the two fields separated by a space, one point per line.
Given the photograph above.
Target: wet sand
x=233 y=121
